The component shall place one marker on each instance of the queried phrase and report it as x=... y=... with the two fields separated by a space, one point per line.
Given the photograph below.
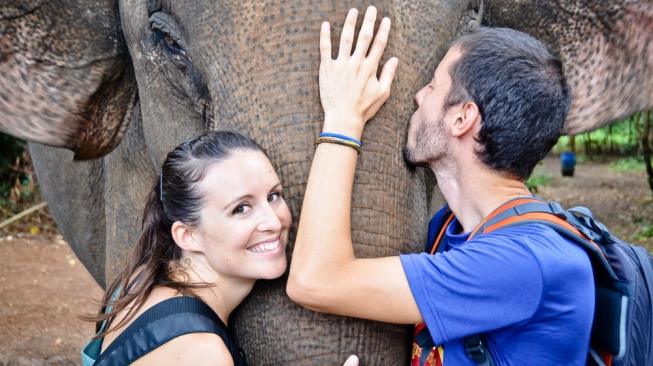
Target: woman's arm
x=325 y=275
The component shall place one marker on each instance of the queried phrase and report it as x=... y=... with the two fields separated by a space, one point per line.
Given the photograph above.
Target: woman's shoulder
x=158 y=295
x=193 y=346
x=190 y=349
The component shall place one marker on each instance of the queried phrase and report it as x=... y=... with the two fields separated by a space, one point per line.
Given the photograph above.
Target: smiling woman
x=214 y=222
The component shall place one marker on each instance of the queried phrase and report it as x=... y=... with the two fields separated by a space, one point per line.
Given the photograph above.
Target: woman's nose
x=269 y=220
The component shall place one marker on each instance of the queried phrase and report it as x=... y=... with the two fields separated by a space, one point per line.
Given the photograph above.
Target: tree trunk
x=588 y=144
x=646 y=146
x=607 y=146
x=632 y=132
x=572 y=143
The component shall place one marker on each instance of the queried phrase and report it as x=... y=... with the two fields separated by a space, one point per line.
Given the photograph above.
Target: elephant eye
x=172 y=46
x=167 y=33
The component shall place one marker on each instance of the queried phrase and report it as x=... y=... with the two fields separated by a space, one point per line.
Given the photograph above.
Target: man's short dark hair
x=523 y=98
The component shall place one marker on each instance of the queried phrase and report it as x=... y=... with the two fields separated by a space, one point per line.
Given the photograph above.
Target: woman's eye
x=241 y=209
x=274 y=196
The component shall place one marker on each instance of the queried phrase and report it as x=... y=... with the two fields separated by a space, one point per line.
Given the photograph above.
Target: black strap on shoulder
x=161 y=323
x=477 y=351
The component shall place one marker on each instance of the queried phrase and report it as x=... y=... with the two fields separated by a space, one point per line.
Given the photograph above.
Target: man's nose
x=419 y=96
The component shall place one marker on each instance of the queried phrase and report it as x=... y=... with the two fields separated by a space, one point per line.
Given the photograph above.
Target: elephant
x=104 y=88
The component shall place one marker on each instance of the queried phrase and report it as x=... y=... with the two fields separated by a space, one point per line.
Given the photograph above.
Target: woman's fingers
x=385 y=83
x=366 y=33
x=351 y=361
x=347 y=35
x=325 y=42
x=349 y=86
x=380 y=41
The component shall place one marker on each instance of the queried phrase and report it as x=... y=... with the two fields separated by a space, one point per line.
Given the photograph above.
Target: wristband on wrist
x=337 y=141
x=342 y=137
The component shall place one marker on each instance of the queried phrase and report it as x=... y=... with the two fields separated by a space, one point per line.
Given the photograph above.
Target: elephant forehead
x=260 y=60
x=234 y=39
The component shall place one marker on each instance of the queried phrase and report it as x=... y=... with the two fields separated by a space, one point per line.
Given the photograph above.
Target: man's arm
x=325 y=275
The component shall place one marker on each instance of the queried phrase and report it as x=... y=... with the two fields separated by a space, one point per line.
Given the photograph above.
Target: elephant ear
x=66 y=79
x=606 y=48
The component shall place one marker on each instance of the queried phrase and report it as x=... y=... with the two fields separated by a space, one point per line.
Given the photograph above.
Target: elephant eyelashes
x=167 y=34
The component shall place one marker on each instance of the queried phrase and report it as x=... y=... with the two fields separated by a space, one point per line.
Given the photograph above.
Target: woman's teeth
x=265 y=247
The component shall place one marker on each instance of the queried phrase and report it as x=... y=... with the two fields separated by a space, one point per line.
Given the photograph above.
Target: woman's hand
x=349 y=90
x=351 y=361
x=325 y=274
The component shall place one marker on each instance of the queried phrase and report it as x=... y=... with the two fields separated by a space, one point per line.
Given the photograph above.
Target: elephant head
x=253 y=66
x=606 y=48
x=159 y=72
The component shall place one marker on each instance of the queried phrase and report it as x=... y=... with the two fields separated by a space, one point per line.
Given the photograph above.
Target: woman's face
x=244 y=220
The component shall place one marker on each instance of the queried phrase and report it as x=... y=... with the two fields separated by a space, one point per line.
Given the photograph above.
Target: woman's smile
x=272 y=247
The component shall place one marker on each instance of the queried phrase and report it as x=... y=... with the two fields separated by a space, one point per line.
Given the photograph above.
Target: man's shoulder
x=524 y=233
x=544 y=243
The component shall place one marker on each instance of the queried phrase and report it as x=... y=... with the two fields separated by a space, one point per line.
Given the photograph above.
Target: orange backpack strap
x=507 y=207
x=522 y=211
x=443 y=229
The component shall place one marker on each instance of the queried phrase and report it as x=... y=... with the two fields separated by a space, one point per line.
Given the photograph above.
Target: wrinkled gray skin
x=100 y=76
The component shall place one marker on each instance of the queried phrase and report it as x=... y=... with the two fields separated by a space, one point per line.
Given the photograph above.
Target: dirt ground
x=619 y=199
x=43 y=287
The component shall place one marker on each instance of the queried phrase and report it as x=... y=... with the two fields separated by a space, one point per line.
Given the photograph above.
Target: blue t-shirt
x=528 y=289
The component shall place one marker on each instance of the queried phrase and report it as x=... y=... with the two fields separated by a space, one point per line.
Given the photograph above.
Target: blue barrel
x=567 y=163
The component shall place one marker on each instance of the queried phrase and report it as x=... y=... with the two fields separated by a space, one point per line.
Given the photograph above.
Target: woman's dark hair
x=174 y=197
x=522 y=95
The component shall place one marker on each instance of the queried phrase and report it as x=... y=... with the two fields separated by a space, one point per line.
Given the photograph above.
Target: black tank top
x=164 y=321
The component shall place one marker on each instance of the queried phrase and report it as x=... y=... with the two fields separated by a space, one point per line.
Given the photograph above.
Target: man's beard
x=430 y=145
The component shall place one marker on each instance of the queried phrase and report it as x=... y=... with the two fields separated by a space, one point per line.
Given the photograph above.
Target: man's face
x=427 y=137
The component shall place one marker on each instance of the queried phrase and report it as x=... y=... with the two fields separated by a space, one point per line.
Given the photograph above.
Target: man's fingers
x=380 y=41
x=325 y=42
x=366 y=33
x=388 y=74
x=347 y=35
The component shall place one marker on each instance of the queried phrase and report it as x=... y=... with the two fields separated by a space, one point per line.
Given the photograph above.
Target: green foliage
x=619 y=138
x=11 y=149
x=630 y=164
x=19 y=191
x=644 y=232
x=17 y=186
x=537 y=180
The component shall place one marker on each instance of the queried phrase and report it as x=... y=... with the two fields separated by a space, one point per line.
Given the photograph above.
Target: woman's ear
x=186 y=237
x=468 y=117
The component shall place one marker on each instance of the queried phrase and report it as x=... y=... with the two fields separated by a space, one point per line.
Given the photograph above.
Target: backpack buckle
x=476 y=349
x=557 y=209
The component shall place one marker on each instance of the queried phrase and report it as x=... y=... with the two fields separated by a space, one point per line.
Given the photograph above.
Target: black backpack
x=622 y=330
x=157 y=325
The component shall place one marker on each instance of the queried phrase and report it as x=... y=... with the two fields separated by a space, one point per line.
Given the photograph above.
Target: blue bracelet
x=342 y=137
